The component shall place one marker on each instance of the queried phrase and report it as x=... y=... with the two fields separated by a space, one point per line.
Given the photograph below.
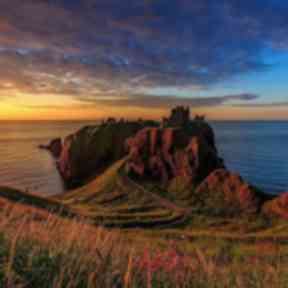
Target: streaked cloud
x=112 y=52
x=155 y=101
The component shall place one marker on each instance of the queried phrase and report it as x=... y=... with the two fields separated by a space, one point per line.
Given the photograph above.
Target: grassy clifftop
x=41 y=249
x=113 y=199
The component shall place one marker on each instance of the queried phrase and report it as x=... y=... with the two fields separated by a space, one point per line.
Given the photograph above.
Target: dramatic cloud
x=153 y=101
x=111 y=51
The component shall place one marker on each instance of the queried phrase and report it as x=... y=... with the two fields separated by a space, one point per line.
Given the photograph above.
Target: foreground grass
x=40 y=249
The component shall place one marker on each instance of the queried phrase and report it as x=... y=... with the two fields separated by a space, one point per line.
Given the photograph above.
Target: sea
x=257 y=150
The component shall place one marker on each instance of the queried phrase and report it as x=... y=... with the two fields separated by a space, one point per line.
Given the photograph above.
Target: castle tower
x=179 y=116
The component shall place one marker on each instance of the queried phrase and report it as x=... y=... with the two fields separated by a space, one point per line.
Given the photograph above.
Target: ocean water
x=23 y=164
x=256 y=150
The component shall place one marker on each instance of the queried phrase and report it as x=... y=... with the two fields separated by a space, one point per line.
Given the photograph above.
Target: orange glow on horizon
x=12 y=112
x=53 y=107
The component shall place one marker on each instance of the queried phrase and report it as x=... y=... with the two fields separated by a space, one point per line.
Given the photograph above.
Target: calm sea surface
x=257 y=150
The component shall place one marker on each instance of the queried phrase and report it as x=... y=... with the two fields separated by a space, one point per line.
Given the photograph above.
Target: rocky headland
x=178 y=146
x=149 y=174
x=171 y=168
x=91 y=150
x=165 y=185
x=161 y=183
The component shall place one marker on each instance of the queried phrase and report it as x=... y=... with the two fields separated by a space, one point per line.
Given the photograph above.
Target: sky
x=90 y=59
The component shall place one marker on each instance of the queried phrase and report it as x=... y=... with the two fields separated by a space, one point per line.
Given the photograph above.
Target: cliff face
x=277 y=207
x=160 y=153
x=164 y=153
x=226 y=193
x=92 y=149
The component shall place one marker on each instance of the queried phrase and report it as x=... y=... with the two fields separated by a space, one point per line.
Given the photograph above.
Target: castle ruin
x=179 y=116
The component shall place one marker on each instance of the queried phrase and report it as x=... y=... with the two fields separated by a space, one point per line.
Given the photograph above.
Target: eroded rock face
x=64 y=164
x=55 y=147
x=92 y=149
x=278 y=207
x=165 y=153
x=226 y=193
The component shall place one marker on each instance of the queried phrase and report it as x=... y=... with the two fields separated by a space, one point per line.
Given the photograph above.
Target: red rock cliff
x=165 y=153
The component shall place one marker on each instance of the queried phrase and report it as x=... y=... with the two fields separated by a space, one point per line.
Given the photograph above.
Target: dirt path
x=164 y=202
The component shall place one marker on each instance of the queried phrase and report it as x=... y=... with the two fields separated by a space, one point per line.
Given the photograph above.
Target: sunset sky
x=89 y=59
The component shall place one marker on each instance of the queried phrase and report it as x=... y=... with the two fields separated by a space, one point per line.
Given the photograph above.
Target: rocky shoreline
x=178 y=148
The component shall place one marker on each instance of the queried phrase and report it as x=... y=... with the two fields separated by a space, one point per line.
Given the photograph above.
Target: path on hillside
x=164 y=202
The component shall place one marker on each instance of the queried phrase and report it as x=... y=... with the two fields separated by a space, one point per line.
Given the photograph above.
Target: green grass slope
x=114 y=200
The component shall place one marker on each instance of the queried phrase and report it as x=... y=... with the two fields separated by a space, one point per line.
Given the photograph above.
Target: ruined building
x=180 y=116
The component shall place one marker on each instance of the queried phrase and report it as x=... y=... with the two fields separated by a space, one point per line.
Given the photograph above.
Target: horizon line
x=134 y=119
